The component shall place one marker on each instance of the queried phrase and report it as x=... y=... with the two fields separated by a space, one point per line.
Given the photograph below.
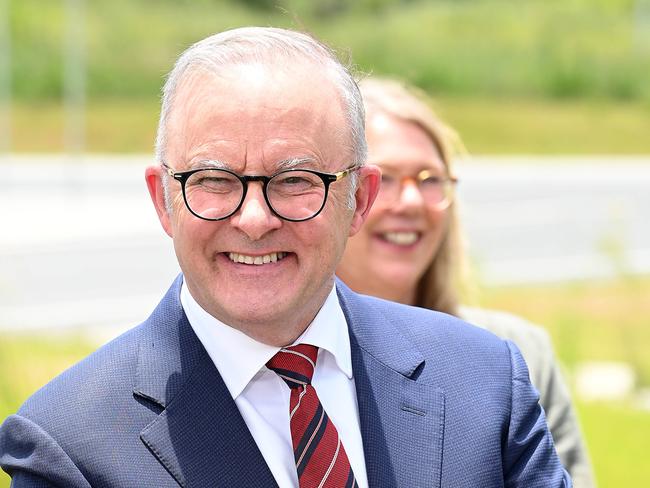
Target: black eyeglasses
x=292 y=194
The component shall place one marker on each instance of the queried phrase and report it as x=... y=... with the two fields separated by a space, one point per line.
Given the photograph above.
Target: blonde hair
x=438 y=288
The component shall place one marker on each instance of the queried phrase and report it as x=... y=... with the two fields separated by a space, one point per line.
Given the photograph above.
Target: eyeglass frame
x=327 y=178
x=418 y=179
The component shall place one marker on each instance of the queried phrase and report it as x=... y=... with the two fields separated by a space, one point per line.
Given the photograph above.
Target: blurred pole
x=75 y=78
x=5 y=78
x=642 y=25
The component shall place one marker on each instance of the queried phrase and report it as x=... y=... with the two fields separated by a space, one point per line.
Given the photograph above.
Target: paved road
x=536 y=219
x=71 y=231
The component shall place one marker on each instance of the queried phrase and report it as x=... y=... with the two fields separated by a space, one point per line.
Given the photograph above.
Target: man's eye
x=211 y=180
x=214 y=183
x=387 y=178
x=298 y=179
x=294 y=180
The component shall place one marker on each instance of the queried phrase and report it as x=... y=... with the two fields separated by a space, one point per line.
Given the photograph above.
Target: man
x=256 y=369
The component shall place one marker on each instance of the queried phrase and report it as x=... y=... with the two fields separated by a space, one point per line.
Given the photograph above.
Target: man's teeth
x=245 y=259
x=401 y=238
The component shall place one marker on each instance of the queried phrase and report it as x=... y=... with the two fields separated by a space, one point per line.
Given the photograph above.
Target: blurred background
x=552 y=100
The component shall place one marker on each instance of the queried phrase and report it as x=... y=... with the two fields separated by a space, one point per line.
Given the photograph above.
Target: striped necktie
x=320 y=458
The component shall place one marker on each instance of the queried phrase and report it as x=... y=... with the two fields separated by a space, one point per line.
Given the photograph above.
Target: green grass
x=112 y=126
x=487 y=126
x=533 y=76
x=587 y=321
x=617 y=437
x=28 y=362
x=529 y=126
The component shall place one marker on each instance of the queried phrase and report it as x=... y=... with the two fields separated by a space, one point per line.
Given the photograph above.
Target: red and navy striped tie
x=320 y=458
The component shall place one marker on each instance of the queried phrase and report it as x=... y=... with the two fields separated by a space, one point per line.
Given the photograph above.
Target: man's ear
x=153 y=177
x=367 y=189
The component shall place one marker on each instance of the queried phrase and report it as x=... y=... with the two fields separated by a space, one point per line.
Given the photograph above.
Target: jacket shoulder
x=101 y=376
x=433 y=334
x=532 y=340
x=506 y=326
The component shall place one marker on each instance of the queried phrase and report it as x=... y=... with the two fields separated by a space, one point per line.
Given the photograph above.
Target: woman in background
x=409 y=249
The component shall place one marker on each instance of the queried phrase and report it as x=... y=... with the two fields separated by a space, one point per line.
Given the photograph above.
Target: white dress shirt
x=262 y=397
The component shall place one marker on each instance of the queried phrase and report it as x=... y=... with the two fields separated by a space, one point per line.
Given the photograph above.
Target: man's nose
x=254 y=218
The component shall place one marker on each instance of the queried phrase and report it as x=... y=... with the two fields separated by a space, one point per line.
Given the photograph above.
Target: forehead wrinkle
x=196 y=152
x=294 y=150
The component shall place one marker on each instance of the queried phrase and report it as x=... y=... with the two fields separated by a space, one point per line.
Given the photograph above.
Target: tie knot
x=295 y=364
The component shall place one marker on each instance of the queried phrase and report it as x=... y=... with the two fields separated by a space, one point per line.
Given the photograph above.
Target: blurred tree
x=530 y=48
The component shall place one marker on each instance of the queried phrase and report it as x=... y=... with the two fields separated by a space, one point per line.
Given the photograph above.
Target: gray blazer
x=535 y=345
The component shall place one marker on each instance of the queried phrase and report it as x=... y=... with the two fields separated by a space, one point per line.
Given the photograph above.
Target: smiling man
x=258 y=368
x=285 y=122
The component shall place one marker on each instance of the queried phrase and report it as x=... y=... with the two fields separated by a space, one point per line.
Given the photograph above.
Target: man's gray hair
x=264 y=45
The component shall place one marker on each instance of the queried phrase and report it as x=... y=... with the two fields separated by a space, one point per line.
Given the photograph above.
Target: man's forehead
x=258 y=77
x=273 y=114
x=263 y=156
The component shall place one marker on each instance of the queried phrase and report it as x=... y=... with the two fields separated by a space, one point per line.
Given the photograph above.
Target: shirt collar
x=239 y=358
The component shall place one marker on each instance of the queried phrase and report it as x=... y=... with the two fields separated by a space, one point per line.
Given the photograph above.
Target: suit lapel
x=200 y=436
x=402 y=420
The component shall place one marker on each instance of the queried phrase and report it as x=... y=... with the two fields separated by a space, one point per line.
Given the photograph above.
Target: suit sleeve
x=529 y=456
x=34 y=459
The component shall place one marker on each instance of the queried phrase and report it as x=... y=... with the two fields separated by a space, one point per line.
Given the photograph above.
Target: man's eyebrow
x=209 y=163
x=295 y=163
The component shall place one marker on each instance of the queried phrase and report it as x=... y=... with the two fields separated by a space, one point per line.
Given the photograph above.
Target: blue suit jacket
x=441 y=404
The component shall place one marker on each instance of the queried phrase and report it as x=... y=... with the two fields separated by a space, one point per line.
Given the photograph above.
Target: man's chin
x=253 y=316
x=267 y=327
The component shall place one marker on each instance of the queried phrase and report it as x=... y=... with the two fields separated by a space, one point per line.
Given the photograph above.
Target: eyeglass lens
x=215 y=194
x=435 y=190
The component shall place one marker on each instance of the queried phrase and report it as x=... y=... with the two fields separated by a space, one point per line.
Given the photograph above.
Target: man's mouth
x=256 y=260
x=400 y=238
